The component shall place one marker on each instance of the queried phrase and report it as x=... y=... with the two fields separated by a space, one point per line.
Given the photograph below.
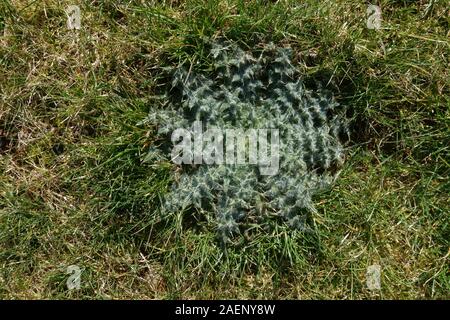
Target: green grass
x=74 y=189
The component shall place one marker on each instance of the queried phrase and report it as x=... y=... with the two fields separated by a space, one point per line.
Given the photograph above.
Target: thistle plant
x=253 y=91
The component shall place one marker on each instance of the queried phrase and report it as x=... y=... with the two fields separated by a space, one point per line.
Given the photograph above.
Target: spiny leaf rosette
x=245 y=91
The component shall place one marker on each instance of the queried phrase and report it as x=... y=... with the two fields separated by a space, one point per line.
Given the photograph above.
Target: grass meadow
x=75 y=191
